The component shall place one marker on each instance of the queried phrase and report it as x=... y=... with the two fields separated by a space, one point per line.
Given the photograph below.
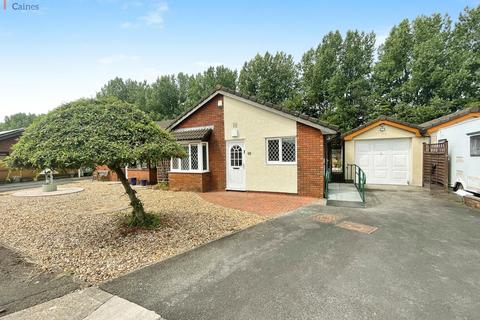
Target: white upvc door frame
x=235 y=175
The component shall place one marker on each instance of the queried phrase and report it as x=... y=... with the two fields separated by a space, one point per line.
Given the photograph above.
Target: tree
x=392 y=71
x=204 y=83
x=90 y=132
x=273 y=78
x=429 y=58
x=463 y=79
x=130 y=91
x=163 y=98
x=185 y=83
x=318 y=67
x=18 y=120
x=350 y=86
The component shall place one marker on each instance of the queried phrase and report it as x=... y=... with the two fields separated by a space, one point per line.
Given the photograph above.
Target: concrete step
x=346 y=204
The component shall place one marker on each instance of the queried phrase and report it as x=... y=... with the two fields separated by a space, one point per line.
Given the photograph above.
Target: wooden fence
x=435 y=164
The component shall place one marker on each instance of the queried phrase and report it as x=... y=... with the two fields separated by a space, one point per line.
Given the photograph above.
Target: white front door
x=384 y=161
x=235 y=165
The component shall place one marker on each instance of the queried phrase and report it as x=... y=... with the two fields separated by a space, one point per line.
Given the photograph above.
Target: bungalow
x=235 y=142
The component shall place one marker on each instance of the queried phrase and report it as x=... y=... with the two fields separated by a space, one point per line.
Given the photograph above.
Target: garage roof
x=450 y=119
x=417 y=130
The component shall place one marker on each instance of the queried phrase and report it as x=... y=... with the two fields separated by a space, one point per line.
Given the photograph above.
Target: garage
x=387 y=150
x=384 y=161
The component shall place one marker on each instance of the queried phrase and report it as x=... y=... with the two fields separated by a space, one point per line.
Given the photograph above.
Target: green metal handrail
x=328 y=177
x=359 y=179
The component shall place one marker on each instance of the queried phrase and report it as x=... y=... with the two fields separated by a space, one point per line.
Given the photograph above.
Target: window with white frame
x=195 y=161
x=475 y=146
x=281 y=150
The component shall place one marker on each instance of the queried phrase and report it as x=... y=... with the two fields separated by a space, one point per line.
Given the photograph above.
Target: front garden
x=82 y=233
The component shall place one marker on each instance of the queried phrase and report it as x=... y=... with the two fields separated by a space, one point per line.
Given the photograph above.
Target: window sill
x=281 y=163
x=191 y=171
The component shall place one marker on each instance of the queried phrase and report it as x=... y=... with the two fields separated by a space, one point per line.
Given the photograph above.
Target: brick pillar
x=310 y=161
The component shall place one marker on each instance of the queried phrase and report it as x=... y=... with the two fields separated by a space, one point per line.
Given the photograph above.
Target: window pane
x=273 y=151
x=288 y=149
x=194 y=156
x=236 y=156
x=175 y=163
x=475 y=146
x=204 y=156
x=185 y=162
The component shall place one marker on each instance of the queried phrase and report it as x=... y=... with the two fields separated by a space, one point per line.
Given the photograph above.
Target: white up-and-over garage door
x=384 y=161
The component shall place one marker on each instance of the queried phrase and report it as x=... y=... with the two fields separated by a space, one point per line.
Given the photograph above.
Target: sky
x=68 y=49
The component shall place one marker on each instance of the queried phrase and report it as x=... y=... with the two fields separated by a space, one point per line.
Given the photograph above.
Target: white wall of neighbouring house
x=390 y=132
x=254 y=126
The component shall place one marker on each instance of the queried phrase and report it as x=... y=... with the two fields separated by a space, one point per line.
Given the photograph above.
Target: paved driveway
x=422 y=263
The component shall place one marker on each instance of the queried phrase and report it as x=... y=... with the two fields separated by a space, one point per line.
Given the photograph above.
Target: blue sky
x=68 y=49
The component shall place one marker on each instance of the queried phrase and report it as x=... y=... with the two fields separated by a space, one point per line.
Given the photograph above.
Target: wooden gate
x=435 y=164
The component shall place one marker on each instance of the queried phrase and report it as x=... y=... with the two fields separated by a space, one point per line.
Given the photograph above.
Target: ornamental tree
x=91 y=132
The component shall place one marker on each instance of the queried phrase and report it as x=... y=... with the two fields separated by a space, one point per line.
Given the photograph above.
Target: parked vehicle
x=463 y=153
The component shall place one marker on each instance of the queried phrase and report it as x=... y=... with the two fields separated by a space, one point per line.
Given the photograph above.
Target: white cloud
x=152 y=18
x=117 y=58
x=155 y=16
x=127 y=25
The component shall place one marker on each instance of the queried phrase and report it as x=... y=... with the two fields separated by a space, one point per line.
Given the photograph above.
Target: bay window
x=195 y=161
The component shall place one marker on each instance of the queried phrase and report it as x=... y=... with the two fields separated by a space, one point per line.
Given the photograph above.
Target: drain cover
x=328 y=218
x=357 y=227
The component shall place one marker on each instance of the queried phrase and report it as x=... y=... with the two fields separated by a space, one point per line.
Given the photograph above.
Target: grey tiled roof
x=192 y=134
x=272 y=106
x=448 y=117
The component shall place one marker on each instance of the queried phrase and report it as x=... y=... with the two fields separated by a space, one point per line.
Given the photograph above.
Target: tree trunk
x=138 y=210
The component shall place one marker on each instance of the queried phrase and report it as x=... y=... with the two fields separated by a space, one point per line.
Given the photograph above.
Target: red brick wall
x=310 y=161
x=142 y=174
x=472 y=201
x=198 y=182
x=211 y=115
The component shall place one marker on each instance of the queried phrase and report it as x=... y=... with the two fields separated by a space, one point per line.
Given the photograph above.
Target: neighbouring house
x=235 y=142
x=7 y=139
x=462 y=132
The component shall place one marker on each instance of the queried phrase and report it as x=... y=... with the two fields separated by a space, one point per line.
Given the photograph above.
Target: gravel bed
x=81 y=233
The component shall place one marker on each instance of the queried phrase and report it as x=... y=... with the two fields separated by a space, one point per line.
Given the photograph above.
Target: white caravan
x=463 y=154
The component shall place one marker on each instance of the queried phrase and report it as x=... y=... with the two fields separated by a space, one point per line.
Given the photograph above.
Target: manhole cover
x=328 y=218
x=357 y=227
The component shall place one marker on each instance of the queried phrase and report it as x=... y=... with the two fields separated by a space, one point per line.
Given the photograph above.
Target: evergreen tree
x=273 y=78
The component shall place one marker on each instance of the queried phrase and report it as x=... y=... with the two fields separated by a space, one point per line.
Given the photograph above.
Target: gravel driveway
x=81 y=233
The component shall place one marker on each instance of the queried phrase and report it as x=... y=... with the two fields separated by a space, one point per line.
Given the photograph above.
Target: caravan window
x=475 y=146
